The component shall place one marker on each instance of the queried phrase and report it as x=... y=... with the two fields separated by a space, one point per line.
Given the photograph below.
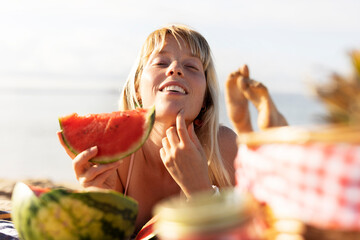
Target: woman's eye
x=192 y=67
x=159 y=61
x=161 y=64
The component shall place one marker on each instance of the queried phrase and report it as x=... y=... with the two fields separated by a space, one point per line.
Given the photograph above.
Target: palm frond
x=341 y=96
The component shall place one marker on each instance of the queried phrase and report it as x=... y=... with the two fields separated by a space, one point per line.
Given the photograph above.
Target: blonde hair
x=207 y=132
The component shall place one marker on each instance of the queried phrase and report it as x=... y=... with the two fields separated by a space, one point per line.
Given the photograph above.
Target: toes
x=242 y=83
x=257 y=88
x=231 y=81
x=244 y=71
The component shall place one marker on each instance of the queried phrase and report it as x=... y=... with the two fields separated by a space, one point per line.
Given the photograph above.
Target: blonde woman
x=187 y=150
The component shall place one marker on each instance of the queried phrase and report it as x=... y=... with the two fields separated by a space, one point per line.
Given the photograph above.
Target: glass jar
x=229 y=216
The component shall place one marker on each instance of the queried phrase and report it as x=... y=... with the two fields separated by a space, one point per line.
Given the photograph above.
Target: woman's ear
x=203 y=107
x=198 y=122
x=137 y=93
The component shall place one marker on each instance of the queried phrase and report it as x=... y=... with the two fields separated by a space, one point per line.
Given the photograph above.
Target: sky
x=67 y=44
x=73 y=45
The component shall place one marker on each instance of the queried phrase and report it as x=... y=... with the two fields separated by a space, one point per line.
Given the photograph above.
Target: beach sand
x=7 y=185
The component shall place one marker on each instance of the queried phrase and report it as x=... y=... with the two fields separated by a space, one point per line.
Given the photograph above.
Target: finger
x=181 y=127
x=61 y=139
x=172 y=137
x=193 y=136
x=97 y=171
x=196 y=140
x=165 y=144
x=98 y=180
x=86 y=155
x=162 y=153
x=81 y=162
x=59 y=134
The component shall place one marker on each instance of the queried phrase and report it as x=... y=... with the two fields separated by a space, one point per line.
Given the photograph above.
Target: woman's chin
x=168 y=114
x=168 y=119
x=170 y=111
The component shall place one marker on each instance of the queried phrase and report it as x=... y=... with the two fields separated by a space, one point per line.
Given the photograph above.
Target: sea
x=29 y=146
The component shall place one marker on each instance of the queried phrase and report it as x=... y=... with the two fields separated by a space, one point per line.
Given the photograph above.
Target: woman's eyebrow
x=164 y=52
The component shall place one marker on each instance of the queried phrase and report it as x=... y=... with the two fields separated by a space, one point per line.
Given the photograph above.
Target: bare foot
x=239 y=89
x=236 y=103
x=268 y=114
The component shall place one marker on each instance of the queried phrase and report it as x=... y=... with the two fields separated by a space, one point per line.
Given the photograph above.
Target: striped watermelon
x=69 y=215
x=116 y=134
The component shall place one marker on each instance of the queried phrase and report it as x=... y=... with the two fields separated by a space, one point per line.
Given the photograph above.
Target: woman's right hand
x=90 y=174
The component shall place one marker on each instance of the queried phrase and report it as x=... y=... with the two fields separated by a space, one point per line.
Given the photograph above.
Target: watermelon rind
x=65 y=214
x=24 y=200
x=148 y=125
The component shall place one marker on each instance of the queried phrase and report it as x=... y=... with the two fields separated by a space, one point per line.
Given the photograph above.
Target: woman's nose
x=174 y=69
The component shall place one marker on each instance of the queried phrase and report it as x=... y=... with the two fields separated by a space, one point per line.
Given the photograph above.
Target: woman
x=187 y=151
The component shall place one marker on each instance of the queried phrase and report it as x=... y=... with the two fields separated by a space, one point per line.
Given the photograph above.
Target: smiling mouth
x=173 y=88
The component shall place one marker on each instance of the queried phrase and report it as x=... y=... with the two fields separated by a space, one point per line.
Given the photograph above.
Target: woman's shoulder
x=227 y=143
x=228 y=149
x=227 y=134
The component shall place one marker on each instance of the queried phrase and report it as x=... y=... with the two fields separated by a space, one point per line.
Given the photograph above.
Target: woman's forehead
x=171 y=41
x=178 y=41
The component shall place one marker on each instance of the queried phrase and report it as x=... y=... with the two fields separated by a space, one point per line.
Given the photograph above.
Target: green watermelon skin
x=67 y=215
x=22 y=224
x=116 y=134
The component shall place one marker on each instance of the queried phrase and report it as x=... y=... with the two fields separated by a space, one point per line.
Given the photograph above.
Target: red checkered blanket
x=317 y=183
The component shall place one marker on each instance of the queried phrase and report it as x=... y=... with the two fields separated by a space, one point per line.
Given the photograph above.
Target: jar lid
x=204 y=213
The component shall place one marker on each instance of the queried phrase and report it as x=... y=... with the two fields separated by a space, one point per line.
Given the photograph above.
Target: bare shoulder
x=227 y=134
x=228 y=148
x=227 y=143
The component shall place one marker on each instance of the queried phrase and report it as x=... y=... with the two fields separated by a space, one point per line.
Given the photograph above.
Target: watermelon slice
x=116 y=134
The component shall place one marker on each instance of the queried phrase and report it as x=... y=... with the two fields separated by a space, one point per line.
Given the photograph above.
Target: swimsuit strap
x=129 y=173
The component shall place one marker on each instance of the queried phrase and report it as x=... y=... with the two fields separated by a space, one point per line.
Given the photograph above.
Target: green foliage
x=341 y=95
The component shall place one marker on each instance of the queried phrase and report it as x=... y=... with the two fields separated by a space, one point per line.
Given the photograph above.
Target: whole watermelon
x=69 y=215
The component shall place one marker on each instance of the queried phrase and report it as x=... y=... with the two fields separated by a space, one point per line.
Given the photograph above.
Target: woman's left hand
x=184 y=157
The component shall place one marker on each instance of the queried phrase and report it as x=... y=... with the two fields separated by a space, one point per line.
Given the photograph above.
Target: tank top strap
x=129 y=173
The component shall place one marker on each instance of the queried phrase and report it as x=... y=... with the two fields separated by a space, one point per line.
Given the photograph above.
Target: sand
x=7 y=185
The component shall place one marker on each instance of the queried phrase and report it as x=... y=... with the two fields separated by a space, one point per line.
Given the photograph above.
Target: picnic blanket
x=317 y=183
x=7 y=229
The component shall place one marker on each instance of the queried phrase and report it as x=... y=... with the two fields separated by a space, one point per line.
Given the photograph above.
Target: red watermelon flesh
x=116 y=134
x=38 y=191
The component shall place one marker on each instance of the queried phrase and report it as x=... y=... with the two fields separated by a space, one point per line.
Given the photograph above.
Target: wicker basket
x=310 y=178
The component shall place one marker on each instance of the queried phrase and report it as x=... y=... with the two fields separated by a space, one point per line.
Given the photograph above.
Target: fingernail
x=93 y=148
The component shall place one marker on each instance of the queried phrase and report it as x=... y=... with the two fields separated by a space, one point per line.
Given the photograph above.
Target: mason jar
x=228 y=216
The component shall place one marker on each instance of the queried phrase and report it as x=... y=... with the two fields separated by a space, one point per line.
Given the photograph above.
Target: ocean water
x=29 y=122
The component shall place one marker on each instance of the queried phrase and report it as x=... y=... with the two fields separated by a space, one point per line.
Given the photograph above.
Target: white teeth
x=174 y=88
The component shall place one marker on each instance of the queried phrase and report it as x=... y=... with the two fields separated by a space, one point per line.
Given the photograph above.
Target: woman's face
x=173 y=79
